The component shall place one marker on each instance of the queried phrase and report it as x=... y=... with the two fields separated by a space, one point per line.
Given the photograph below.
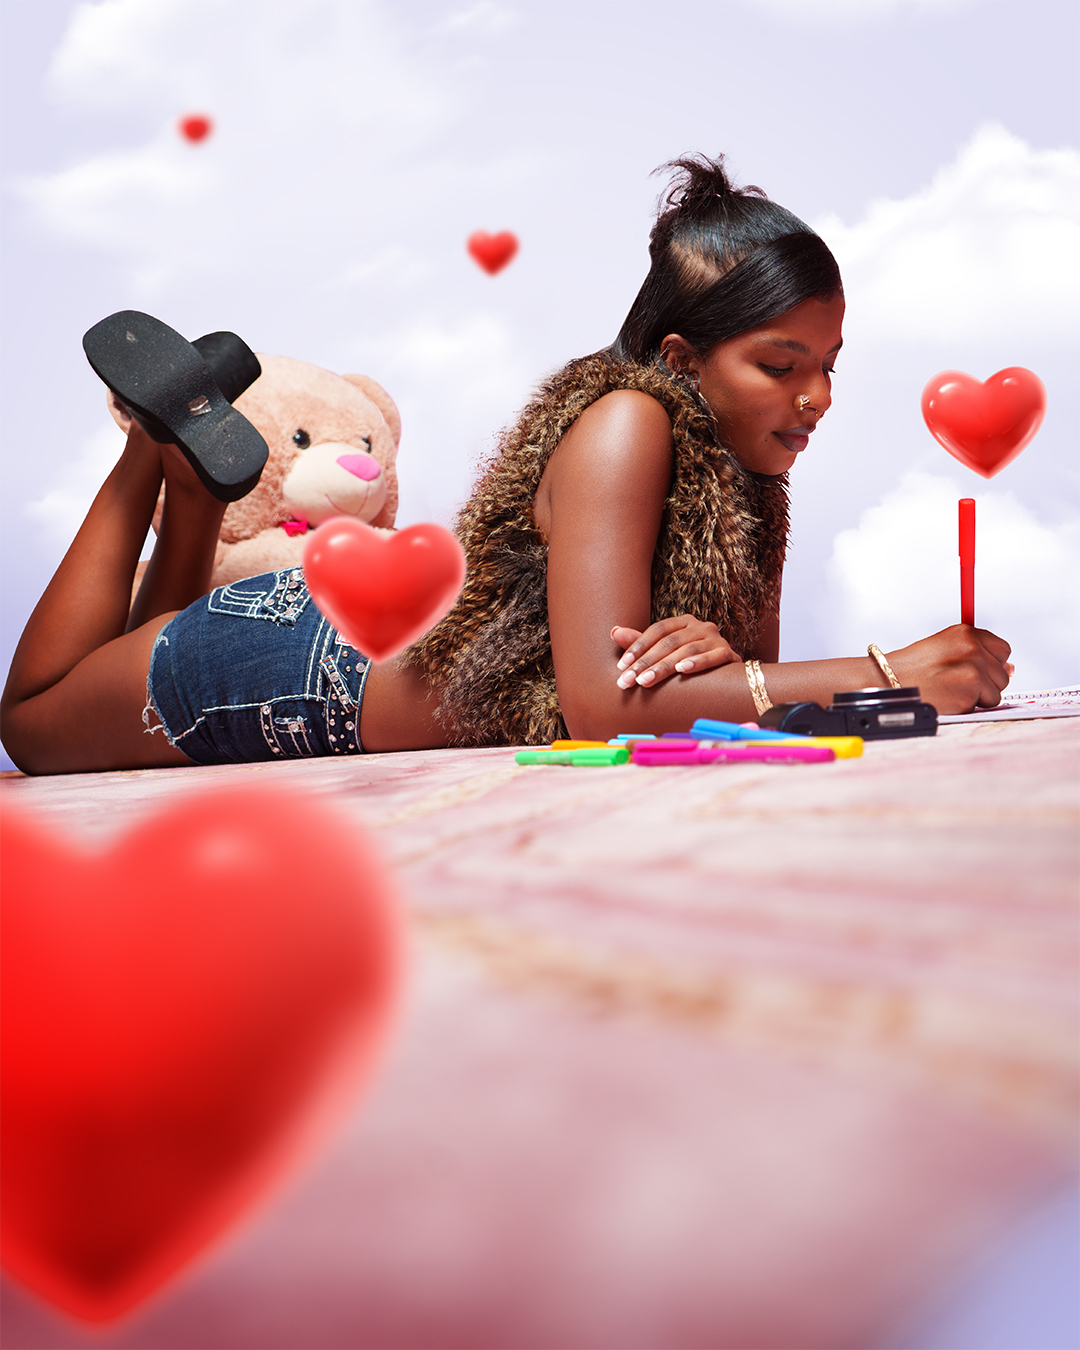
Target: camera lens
x=855 y=697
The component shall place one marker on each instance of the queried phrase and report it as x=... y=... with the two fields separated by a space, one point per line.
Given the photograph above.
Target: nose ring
x=802 y=403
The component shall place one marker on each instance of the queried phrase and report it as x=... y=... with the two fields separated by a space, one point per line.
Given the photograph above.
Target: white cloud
x=301 y=62
x=313 y=108
x=990 y=246
x=106 y=200
x=895 y=576
x=473 y=362
x=113 y=46
x=456 y=384
x=484 y=17
x=61 y=510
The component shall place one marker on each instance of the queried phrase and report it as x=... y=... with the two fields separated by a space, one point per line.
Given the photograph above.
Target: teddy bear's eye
x=367 y=442
x=302 y=439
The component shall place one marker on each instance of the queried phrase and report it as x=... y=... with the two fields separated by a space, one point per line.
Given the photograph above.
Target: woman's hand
x=956 y=670
x=684 y=646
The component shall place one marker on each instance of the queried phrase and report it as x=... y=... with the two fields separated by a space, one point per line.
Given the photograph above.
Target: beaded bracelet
x=756 y=681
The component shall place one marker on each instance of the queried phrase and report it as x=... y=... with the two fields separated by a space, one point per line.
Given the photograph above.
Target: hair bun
x=724 y=260
x=699 y=183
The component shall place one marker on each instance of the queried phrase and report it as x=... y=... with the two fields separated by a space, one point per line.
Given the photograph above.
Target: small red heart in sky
x=382 y=592
x=196 y=127
x=184 y=1016
x=492 y=251
x=984 y=426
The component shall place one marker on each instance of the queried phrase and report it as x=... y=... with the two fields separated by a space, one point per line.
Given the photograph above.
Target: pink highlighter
x=743 y=752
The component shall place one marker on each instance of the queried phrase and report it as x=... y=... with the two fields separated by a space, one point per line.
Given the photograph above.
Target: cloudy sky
x=357 y=144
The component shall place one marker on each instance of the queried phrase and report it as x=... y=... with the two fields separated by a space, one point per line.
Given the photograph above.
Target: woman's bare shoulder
x=624 y=410
x=619 y=429
x=619 y=448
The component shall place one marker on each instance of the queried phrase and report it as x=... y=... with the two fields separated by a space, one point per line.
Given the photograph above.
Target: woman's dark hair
x=724 y=259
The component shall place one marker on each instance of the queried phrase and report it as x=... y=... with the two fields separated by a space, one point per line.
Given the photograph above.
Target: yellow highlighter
x=575 y=745
x=843 y=747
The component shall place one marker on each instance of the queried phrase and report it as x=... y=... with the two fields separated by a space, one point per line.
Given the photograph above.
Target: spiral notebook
x=1020 y=707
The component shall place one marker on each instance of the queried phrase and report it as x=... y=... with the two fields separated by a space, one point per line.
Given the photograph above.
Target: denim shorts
x=253 y=671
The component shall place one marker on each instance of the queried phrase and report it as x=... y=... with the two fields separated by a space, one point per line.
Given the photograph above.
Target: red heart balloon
x=382 y=592
x=184 y=1016
x=492 y=251
x=195 y=128
x=984 y=426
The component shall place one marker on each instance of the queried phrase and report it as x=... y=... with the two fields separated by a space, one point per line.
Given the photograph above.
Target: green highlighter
x=615 y=754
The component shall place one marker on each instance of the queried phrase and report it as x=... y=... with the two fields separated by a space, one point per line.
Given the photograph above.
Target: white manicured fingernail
x=626 y=679
x=684 y=666
x=646 y=677
x=625 y=660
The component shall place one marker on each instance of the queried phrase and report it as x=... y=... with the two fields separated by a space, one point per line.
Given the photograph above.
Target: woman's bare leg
x=77 y=686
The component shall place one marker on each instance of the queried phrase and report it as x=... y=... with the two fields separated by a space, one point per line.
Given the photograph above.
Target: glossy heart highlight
x=984 y=426
x=382 y=592
x=185 y=1015
x=492 y=251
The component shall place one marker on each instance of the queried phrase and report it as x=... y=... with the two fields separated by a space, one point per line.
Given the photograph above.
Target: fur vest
x=719 y=556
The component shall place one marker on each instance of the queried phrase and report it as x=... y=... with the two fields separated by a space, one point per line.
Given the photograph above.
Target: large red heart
x=984 y=426
x=184 y=1015
x=382 y=592
x=492 y=251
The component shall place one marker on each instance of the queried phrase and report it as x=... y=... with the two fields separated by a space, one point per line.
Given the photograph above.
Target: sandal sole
x=172 y=393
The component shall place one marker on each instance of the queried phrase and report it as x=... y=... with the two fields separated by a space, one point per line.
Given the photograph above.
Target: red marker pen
x=967 y=560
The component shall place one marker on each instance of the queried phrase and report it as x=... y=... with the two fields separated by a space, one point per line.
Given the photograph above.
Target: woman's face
x=770 y=386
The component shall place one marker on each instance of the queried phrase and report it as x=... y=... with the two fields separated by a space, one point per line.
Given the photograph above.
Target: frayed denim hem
x=151 y=708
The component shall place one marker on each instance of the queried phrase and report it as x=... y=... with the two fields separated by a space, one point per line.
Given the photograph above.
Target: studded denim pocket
x=285 y=729
x=280 y=597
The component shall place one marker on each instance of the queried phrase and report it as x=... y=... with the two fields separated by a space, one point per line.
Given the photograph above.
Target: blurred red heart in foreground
x=184 y=1016
x=382 y=592
x=492 y=251
x=195 y=128
x=984 y=426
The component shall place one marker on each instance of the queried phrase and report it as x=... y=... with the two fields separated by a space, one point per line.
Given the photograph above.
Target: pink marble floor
x=726 y=1056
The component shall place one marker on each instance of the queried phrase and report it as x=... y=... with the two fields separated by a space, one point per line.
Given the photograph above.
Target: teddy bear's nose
x=363 y=466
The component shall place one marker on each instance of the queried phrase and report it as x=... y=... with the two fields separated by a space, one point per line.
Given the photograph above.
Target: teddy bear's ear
x=120 y=414
x=382 y=401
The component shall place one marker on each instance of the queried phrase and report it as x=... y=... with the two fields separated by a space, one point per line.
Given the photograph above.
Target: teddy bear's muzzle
x=334 y=479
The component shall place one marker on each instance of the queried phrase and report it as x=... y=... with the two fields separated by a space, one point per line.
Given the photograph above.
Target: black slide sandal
x=170 y=389
x=233 y=364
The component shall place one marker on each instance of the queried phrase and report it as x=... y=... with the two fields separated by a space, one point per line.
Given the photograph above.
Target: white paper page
x=1023 y=706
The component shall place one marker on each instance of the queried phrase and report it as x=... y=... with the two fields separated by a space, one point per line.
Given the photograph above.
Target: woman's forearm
x=723 y=694
x=954 y=670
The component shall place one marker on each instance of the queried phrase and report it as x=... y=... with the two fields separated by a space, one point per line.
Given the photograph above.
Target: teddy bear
x=333 y=443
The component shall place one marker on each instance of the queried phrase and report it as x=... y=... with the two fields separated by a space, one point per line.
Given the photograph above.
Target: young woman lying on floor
x=625 y=545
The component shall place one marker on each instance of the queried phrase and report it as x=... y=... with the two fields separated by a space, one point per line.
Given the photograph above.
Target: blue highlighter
x=706 y=729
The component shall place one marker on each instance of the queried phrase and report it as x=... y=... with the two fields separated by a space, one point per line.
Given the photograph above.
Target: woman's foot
x=171 y=391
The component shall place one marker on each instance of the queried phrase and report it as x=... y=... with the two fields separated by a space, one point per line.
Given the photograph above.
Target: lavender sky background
x=934 y=143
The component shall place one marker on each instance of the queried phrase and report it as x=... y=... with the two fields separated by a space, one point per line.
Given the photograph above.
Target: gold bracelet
x=756 y=681
x=878 y=656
